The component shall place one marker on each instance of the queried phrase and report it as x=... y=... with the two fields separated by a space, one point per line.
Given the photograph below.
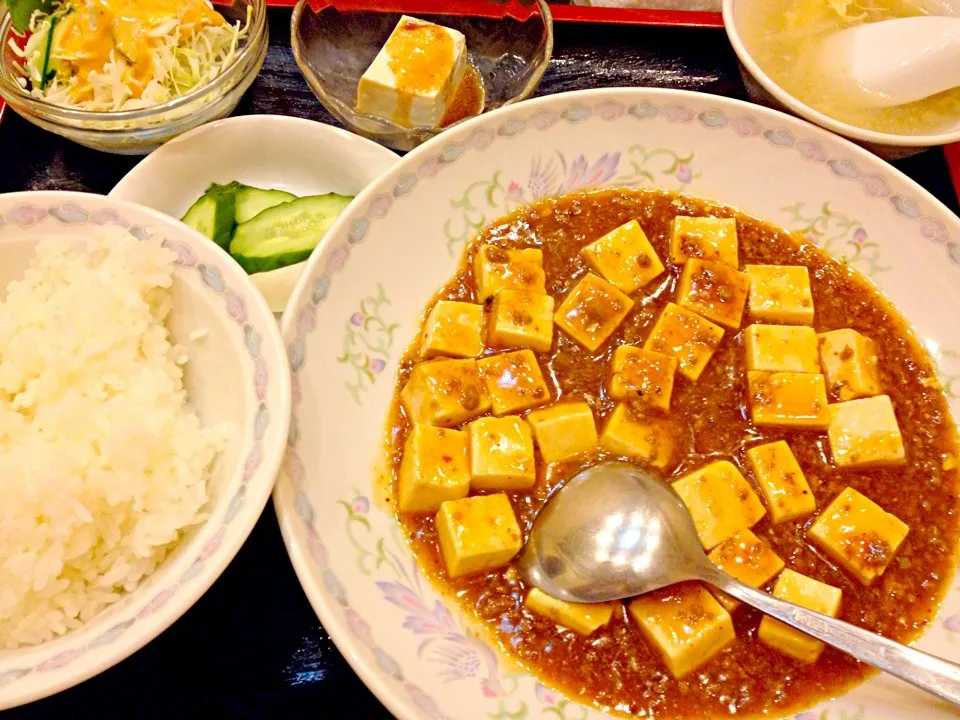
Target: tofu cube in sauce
x=686 y=336
x=705 y=238
x=781 y=481
x=519 y=318
x=865 y=432
x=858 y=535
x=514 y=381
x=633 y=433
x=746 y=558
x=849 y=362
x=642 y=374
x=684 y=623
x=445 y=393
x=716 y=291
x=434 y=469
x=454 y=329
x=624 y=257
x=806 y=592
x=781 y=348
x=501 y=454
x=477 y=534
x=582 y=618
x=780 y=293
x=788 y=399
x=720 y=500
x=496 y=269
x=564 y=431
x=592 y=311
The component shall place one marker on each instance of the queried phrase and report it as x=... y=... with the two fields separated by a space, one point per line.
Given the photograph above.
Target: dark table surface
x=252 y=646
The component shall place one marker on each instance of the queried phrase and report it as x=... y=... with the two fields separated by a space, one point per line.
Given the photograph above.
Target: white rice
x=103 y=463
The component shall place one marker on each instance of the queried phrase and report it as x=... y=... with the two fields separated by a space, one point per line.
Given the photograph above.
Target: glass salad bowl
x=509 y=43
x=137 y=132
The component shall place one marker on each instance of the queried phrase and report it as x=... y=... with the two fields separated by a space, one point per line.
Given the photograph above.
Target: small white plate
x=269 y=151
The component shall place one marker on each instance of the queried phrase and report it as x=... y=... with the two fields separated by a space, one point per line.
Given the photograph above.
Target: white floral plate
x=356 y=309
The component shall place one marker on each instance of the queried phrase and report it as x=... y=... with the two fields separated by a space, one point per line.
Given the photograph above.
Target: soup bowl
x=358 y=306
x=764 y=90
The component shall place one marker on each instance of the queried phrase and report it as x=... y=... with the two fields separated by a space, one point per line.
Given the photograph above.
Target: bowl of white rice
x=144 y=414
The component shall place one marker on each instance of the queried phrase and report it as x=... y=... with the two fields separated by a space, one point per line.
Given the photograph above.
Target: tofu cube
x=849 y=363
x=689 y=338
x=858 y=535
x=496 y=269
x=748 y=559
x=477 y=534
x=454 y=329
x=642 y=374
x=720 y=500
x=592 y=311
x=624 y=257
x=781 y=348
x=432 y=62
x=716 y=291
x=706 y=238
x=433 y=470
x=564 y=431
x=519 y=318
x=780 y=293
x=684 y=623
x=501 y=454
x=781 y=481
x=631 y=432
x=806 y=592
x=446 y=393
x=514 y=381
x=582 y=618
x=788 y=399
x=865 y=432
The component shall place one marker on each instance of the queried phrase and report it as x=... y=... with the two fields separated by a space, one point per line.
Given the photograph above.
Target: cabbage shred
x=181 y=61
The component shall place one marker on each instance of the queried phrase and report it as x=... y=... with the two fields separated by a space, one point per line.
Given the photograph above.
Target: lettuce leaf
x=22 y=10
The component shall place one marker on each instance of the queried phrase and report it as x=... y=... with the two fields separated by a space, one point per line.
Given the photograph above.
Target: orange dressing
x=88 y=35
x=467 y=99
x=420 y=57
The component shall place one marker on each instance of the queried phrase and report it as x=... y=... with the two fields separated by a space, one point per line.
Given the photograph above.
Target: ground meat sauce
x=615 y=668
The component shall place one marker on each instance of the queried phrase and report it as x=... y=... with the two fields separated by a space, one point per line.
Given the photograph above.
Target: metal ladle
x=615 y=531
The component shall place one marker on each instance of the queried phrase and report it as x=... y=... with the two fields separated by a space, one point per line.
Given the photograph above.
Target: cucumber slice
x=252 y=201
x=213 y=215
x=285 y=234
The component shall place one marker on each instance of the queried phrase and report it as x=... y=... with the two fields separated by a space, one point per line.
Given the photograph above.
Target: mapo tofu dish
x=781 y=395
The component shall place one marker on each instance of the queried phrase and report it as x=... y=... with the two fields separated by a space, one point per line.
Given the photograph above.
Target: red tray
x=561 y=13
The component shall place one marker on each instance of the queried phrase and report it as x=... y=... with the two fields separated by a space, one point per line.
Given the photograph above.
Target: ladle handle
x=937 y=676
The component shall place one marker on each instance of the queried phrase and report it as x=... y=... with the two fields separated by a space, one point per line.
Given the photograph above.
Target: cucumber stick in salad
x=264 y=230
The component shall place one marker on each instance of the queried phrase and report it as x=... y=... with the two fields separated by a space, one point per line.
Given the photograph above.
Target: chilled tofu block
x=433 y=470
x=684 y=623
x=781 y=481
x=642 y=374
x=720 y=500
x=415 y=76
x=446 y=393
x=501 y=454
x=858 y=535
x=514 y=381
x=624 y=257
x=865 y=432
x=748 y=559
x=592 y=311
x=519 y=318
x=706 y=238
x=689 y=338
x=716 y=291
x=849 y=363
x=806 y=592
x=496 y=269
x=781 y=348
x=454 y=329
x=632 y=433
x=788 y=399
x=582 y=618
x=477 y=534
x=564 y=431
x=780 y=293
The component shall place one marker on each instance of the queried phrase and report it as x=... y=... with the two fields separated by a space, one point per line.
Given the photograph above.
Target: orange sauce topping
x=421 y=57
x=467 y=99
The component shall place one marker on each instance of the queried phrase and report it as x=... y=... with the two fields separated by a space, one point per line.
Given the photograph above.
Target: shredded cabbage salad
x=109 y=55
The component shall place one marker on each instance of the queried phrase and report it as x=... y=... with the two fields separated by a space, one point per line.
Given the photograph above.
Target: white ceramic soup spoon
x=893 y=62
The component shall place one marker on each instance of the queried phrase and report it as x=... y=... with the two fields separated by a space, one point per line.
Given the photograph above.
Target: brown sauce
x=468 y=98
x=615 y=668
